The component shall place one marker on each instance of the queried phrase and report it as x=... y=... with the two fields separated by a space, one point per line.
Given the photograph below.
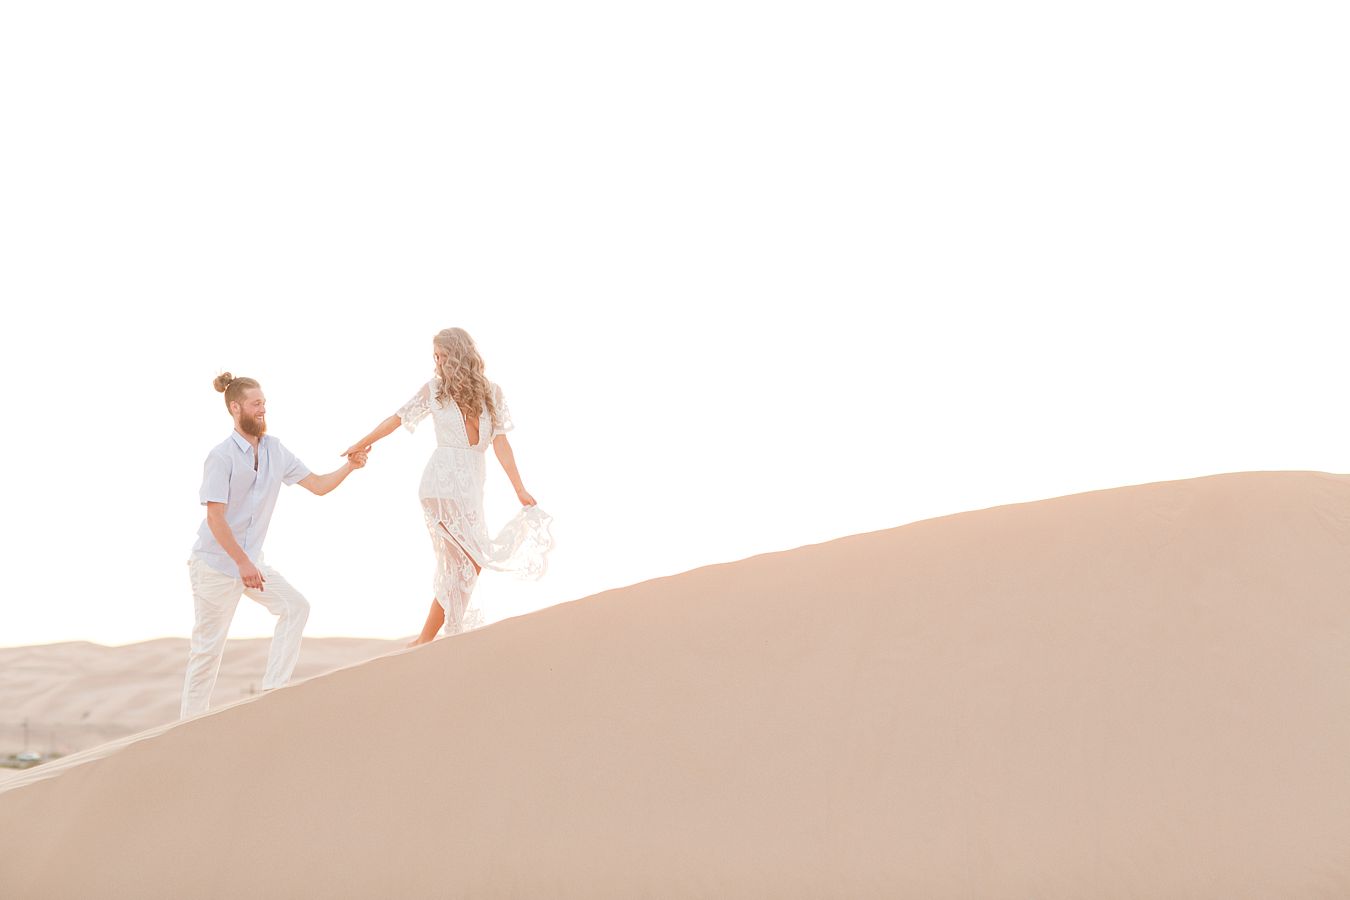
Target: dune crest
x=1135 y=692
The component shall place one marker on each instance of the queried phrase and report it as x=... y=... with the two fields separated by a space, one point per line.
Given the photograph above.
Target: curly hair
x=461 y=375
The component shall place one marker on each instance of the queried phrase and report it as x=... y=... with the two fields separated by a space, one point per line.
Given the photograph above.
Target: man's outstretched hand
x=358 y=457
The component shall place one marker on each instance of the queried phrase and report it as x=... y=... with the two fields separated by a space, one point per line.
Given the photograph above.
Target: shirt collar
x=242 y=442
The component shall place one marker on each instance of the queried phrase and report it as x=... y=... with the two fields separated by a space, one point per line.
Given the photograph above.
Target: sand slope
x=77 y=695
x=1142 y=692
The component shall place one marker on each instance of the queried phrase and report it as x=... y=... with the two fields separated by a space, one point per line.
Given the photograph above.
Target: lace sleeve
x=504 y=423
x=416 y=409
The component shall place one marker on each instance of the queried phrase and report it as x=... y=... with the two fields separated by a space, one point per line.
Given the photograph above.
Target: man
x=240 y=484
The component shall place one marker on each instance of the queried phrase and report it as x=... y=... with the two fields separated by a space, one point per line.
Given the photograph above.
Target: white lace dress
x=452 y=506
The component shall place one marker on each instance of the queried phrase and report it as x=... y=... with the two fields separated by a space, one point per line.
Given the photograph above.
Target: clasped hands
x=357 y=455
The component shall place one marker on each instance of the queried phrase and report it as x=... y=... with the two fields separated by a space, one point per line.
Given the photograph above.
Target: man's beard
x=252 y=425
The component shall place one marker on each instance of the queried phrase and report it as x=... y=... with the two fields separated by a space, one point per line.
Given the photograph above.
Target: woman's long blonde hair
x=462 y=379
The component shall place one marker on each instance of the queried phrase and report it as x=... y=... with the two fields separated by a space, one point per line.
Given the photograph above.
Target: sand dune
x=1142 y=692
x=77 y=695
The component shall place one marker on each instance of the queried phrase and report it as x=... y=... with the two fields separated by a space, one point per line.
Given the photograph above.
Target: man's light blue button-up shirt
x=249 y=496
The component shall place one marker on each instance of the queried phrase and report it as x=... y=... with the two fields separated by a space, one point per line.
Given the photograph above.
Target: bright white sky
x=752 y=275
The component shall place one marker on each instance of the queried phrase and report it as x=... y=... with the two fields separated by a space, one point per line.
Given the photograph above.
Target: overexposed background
x=752 y=275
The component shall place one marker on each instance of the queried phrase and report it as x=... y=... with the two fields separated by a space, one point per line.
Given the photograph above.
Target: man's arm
x=215 y=520
x=322 y=484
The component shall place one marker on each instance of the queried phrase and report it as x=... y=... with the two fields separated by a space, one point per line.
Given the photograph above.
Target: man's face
x=252 y=412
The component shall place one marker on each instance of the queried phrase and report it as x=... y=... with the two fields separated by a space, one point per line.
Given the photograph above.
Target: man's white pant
x=216 y=595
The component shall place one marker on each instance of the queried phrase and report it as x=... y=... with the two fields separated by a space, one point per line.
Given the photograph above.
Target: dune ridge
x=1134 y=692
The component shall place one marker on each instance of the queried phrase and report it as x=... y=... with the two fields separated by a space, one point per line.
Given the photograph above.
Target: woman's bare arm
x=382 y=430
x=502 y=447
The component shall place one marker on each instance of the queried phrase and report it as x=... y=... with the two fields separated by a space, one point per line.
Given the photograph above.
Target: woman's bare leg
x=436 y=615
x=435 y=619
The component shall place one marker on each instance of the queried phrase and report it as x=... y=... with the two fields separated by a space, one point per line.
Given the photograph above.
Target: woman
x=469 y=412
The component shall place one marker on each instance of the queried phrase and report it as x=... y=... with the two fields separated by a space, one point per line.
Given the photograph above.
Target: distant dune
x=77 y=695
x=1140 y=692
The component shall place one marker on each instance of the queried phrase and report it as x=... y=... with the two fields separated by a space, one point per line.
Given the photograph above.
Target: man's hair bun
x=223 y=381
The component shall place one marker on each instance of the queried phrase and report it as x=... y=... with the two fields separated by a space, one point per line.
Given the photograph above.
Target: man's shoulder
x=276 y=448
x=272 y=442
x=225 y=449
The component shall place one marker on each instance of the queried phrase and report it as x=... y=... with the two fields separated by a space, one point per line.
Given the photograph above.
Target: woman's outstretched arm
x=382 y=430
x=502 y=447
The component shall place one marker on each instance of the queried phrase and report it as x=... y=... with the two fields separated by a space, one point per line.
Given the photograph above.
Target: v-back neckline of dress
x=464 y=424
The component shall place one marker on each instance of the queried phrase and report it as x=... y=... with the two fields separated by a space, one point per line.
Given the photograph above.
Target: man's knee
x=287 y=603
